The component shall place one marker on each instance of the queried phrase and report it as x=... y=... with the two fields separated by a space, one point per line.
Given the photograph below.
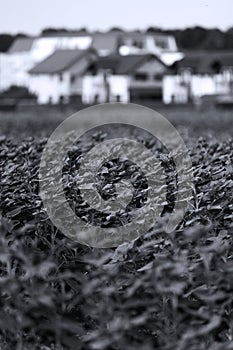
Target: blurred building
x=60 y=76
x=199 y=74
x=124 y=78
x=25 y=53
x=162 y=45
x=113 y=66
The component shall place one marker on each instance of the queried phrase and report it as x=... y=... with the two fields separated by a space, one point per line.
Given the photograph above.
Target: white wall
x=173 y=91
x=45 y=46
x=4 y=71
x=119 y=86
x=200 y=85
x=209 y=85
x=49 y=88
x=14 y=69
x=94 y=86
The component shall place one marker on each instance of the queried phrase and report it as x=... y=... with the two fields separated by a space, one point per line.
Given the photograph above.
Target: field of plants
x=161 y=291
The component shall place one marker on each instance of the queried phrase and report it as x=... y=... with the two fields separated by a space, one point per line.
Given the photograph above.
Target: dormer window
x=158 y=77
x=140 y=76
x=138 y=44
x=185 y=75
x=72 y=78
x=216 y=67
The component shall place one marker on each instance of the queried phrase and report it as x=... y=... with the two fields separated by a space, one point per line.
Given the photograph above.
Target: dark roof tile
x=108 y=42
x=59 y=61
x=21 y=45
x=123 y=64
x=202 y=62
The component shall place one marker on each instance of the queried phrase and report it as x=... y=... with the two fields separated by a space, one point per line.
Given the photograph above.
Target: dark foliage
x=199 y=38
x=49 y=31
x=162 y=291
x=6 y=40
x=196 y=38
x=17 y=92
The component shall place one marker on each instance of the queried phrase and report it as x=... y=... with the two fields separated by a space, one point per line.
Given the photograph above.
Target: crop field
x=161 y=291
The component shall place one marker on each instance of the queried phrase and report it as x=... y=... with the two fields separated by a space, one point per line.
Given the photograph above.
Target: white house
x=25 y=53
x=15 y=63
x=199 y=74
x=124 y=78
x=37 y=63
x=162 y=45
x=59 y=76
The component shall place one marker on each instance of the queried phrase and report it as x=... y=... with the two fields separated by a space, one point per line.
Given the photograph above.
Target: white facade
x=97 y=89
x=177 y=89
x=14 y=66
x=119 y=88
x=152 y=44
x=173 y=91
x=44 y=46
x=14 y=69
x=5 y=70
x=50 y=88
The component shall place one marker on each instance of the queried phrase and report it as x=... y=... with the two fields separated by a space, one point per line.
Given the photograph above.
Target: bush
x=17 y=92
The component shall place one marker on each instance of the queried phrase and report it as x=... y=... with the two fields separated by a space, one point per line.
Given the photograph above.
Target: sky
x=31 y=16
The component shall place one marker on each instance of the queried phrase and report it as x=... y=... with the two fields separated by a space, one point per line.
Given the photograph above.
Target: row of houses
x=198 y=74
x=97 y=79
x=114 y=66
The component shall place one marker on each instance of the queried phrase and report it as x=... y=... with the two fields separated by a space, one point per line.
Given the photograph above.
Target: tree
x=116 y=29
x=17 y=92
x=53 y=31
x=6 y=41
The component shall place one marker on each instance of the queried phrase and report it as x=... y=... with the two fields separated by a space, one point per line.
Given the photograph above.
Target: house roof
x=106 y=41
x=123 y=64
x=59 y=61
x=110 y=41
x=202 y=62
x=128 y=63
x=21 y=45
x=160 y=39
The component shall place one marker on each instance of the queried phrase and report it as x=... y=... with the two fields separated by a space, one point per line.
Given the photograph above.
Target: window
x=138 y=44
x=158 y=77
x=185 y=76
x=72 y=78
x=61 y=77
x=161 y=43
x=216 y=67
x=140 y=76
x=96 y=98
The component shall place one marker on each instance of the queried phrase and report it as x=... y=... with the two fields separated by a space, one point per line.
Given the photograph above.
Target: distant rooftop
x=123 y=64
x=206 y=62
x=101 y=41
x=21 y=45
x=105 y=41
x=59 y=61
